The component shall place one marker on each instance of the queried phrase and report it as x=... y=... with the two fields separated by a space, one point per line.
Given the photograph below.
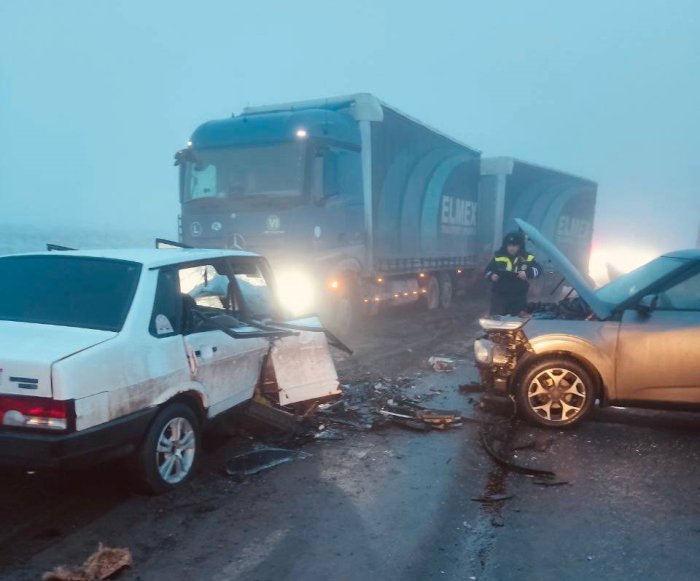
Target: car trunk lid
x=27 y=351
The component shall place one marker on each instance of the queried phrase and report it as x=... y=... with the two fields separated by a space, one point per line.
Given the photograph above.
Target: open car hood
x=601 y=309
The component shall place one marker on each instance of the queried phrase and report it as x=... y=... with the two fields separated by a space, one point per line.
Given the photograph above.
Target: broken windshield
x=628 y=285
x=246 y=172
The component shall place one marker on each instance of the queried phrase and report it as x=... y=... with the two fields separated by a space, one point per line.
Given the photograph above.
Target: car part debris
x=550 y=482
x=102 y=564
x=441 y=364
x=473 y=387
x=492 y=498
x=256 y=461
x=328 y=434
x=275 y=417
x=409 y=414
x=512 y=465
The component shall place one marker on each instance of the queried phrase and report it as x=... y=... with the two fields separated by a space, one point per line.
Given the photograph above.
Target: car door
x=302 y=364
x=227 y=367
x=658 y=357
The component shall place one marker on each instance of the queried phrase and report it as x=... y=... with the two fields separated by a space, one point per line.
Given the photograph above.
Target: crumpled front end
x=498 y=351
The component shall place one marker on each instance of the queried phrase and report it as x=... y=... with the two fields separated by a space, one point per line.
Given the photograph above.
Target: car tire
x=170 y=451
x=556 y=393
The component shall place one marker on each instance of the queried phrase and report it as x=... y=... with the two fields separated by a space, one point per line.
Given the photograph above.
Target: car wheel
x=556 y=393
x=169 y=454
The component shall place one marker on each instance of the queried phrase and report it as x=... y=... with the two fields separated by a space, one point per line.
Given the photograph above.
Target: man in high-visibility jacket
x=510 y=271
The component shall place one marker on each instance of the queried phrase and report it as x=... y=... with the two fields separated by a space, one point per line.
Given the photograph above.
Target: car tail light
x=42 y=413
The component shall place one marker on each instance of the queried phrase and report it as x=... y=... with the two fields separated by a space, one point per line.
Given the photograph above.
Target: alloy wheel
x=557 y=395
x=175 y=450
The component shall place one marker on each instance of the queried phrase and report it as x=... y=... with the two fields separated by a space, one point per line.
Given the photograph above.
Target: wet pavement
x=393 y=503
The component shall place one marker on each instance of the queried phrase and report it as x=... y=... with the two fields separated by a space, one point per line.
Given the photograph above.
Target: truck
x=357 y=205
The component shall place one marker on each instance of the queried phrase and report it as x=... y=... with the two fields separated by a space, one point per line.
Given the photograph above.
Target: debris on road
x=492 y=498
x=410 y=414
x=550 y=482
x=102 y=564
x=260 y=459
x=473 y=387
x=441 y=364
x=544 y=474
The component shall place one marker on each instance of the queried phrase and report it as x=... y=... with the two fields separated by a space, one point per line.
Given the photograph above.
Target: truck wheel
x=170 y=452
x=432 y=297
x=555 y=393
x=446 y=290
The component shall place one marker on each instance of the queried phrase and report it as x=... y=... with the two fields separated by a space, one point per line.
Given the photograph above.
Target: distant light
x=380 y=280
x=335 y=285
x=302 y=134
x=422 y=275
x=189 y=143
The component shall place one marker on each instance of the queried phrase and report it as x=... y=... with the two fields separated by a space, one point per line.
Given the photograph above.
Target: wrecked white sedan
x=132 y=352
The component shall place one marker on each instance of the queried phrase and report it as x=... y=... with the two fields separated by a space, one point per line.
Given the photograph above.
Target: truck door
x=228 y=368
x=659 y=353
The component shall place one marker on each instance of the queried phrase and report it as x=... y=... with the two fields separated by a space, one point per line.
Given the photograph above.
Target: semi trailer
x=357 y=205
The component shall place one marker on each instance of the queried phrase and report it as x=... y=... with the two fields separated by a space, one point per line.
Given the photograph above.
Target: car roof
x=691 y=254
x=150 y=257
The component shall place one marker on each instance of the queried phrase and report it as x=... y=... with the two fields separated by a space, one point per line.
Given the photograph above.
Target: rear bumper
x=116 y=438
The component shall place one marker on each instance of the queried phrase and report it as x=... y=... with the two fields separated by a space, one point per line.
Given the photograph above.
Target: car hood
x=601 y=309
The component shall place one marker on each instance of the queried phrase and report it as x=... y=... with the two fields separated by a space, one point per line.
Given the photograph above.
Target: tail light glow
x=41 y=413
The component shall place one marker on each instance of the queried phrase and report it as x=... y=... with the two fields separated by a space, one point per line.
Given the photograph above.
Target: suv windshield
x=628 y=285
x=243 y=172
x=70 y=291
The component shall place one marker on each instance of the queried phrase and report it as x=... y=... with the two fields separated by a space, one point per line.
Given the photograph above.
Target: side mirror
x=647 y=304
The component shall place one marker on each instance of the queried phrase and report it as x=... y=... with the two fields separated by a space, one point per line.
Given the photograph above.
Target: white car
x=132 y=352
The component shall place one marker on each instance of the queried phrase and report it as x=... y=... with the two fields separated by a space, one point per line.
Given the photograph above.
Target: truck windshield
x=246 y=172
x=69 y=291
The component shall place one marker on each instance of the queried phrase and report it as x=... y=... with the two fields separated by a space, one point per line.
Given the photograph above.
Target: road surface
x=392 y=504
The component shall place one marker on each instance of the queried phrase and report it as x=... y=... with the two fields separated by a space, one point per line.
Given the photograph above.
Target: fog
x=95 y=97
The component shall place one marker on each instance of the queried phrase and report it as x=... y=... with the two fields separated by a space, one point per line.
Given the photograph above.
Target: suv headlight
x=483 y=351
x=502 y=324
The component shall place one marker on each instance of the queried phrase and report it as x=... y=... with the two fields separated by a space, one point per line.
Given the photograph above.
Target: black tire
x=446 y=290
x=564 y=384
x=432 y=296
x=148 y=461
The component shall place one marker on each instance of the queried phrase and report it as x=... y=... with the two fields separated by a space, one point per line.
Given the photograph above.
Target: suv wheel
x=556 y=393
x=170 y=451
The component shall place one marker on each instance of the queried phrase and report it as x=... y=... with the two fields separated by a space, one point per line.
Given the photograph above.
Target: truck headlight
x=296 y=291
x=483 y=351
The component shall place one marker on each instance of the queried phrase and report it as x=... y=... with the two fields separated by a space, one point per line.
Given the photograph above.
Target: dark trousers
x=508 y=304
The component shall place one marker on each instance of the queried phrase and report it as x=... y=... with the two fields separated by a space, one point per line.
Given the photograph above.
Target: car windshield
x=70 y=291
x=246 y=172
x=628 y=285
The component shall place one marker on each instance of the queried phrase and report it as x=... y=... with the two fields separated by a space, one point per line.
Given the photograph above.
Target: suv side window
x=166 y=319
x=682 y=296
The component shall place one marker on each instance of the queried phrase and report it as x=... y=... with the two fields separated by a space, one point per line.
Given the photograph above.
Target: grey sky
x=96 y=96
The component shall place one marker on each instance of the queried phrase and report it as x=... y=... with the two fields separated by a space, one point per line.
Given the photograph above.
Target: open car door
x=299 y=357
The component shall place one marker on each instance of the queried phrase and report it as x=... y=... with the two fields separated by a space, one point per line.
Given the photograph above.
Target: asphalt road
x=392 y=504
